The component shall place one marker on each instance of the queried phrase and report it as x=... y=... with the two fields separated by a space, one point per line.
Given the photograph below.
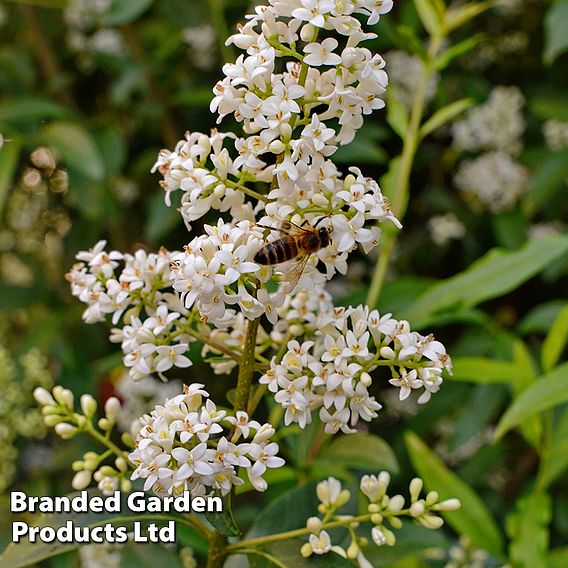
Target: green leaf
x=161 y=219
x=555 y=460
x=76 y=146
x=538 y=319
x=473 y=519
x=528 y=529
x=549 y=177
x=125 y=11
x=482 y=370
x=555 y=341
x=510 y=228
x=224 y=522
x=397 y=113
x=457 y=50
x=31 y=109
x=555 y=31
x=430 y=15
x=547 y=392
x=444 y=115
x=112 y=147
x=366 y=452
x=456 y=17
x=495 y=274
x=9 y=156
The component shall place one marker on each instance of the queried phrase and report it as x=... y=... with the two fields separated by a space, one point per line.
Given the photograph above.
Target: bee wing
x=292 y=274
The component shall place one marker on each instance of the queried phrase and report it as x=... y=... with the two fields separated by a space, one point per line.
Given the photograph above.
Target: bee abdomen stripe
x=279 y=251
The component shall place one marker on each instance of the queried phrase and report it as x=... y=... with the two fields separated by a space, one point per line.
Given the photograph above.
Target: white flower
x=322 y=53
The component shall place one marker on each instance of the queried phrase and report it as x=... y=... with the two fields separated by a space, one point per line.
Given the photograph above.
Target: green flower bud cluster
x=381 y=509
x=58 y=409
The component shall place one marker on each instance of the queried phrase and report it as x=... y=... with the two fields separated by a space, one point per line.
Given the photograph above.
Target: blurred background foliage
x=91 y=90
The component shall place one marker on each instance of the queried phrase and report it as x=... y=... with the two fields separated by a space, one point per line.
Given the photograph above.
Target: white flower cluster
x=184 y=446
x=283 y=115
x=331 y=371
x=215 y=269
x=555 y=133
x=444 y=228
x=405 y=71
x=498 y=124
x=494 y=180
x=151 y=344
x=380 y=509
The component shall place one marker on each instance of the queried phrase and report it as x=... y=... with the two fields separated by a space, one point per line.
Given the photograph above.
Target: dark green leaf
x=27 y=109
x=397 y=113
x=125 y=11
x=493 y=275
x=549 y=177
x=366 y=452
x=224 y=522
x=547 y=392
x=473 y=519
x=430 y=16
x=76 y=146
x=457 y=50
x=540 y=318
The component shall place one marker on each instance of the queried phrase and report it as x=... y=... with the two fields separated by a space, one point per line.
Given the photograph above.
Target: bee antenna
x=320 y=220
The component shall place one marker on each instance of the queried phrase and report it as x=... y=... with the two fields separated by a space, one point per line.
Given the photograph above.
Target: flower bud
x=277 y=147
x=366 y=380
x=43 y=396
x=432 y=497
x=285 y=131
x=88 y=405
x=307 y=32
x=112 y=408
x=378 y=536
x=415 y=488
x=396 y=503
x=121 y=464
x=417 y=509
x=373 y=508
x=320 y=200
x=78 y=465
x=343 y=498
x=431 y=521
x=265 y=432
x=395 y=522
x=448 y=505
x=376 y=519
x=65 y=430
x=127 y=439
x=104 y=424
x=81 y=480
x=63 y=396
x=52 y=420
x=390 y=537
x=125 y=485
x=353 y=551
x=314 y=524
x=306 y=550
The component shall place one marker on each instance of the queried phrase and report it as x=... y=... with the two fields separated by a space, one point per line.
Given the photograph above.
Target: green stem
x=295 y=533
x=246 y=367
x=217 y=550
x=90 y=429
x=399 y=197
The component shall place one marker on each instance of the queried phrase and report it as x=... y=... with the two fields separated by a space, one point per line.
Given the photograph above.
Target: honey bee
x=297 y=243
